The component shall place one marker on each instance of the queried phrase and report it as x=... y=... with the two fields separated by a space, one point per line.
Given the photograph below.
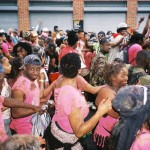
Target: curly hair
x=70 y=64
x=136 y=38
x=112 y=70
x=143 y=59
x=23 y=45
x=72 y=38
x=22 y=142
x=17 y=65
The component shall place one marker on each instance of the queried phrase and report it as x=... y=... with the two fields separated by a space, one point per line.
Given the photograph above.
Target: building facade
x=91 y=15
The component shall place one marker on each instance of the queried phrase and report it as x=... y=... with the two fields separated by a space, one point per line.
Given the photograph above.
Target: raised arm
x=49 y=89
x=85 y=86
x=113 y=44
x=139 y=23
x=146 y=25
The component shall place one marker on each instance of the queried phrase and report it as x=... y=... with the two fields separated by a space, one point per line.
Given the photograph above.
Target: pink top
x=3 y=135
x=5 y=48
x=132 y=52
x=32 y=95
x=104 y=127
x=81 y=82
x=67 y=99
x=65 y=51
x=142 y=141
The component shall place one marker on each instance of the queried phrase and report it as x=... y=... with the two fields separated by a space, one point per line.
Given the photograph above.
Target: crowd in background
x=89 y=90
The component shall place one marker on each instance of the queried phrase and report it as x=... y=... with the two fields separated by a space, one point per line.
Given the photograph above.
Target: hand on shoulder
x=105 y=105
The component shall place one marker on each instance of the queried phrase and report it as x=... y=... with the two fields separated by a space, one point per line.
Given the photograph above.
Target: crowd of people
x=75 y=90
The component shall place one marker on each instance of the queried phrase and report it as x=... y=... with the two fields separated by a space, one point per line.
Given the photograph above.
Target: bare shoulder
x=18 y=94
x=104 y=93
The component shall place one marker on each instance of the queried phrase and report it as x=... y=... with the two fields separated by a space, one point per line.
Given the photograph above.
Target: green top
x=96 y=47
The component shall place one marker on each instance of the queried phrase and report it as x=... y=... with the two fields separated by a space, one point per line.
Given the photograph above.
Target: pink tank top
x=32 y=96
x=104 y=127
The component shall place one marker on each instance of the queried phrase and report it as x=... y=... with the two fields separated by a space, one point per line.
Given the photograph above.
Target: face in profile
x=81 y=35
x=121 y=78
x=6 y=65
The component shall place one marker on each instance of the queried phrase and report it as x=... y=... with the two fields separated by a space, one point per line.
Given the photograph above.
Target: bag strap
x=61 y=128
x=66 y=145
x=132 y=60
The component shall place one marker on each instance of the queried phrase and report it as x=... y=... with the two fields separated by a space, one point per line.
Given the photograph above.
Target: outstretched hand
x=40 y=110
x=105 y=105
x=141 y=19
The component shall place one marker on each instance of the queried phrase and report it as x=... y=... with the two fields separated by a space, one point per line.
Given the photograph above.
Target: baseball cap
x=93 y=39
x=2 y=31
x=45 y=29
x=122 y=26
x=15 y=31
x=32 y=59
x=104 y=40
x=101 y=32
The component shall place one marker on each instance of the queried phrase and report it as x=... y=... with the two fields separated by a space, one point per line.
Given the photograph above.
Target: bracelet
x=41 y=80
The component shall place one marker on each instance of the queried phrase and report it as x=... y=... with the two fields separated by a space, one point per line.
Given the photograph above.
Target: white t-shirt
x=6 y=92
x=114 y=50
x=46 y=77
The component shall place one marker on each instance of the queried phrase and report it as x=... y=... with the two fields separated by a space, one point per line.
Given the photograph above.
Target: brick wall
x=132 y=6
x=78 y=9
x=23 y=14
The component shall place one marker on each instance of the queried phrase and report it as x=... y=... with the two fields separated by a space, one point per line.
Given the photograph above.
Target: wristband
x=41 y=80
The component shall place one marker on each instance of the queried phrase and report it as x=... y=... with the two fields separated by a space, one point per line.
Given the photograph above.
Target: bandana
x=133 y=105
x=32 y=59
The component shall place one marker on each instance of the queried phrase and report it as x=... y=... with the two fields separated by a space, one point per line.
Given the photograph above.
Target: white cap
x=2 y=31
x=45 y=29
x=122 y=25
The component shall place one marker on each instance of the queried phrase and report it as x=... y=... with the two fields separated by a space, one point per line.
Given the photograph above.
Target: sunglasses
x=100 y=35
